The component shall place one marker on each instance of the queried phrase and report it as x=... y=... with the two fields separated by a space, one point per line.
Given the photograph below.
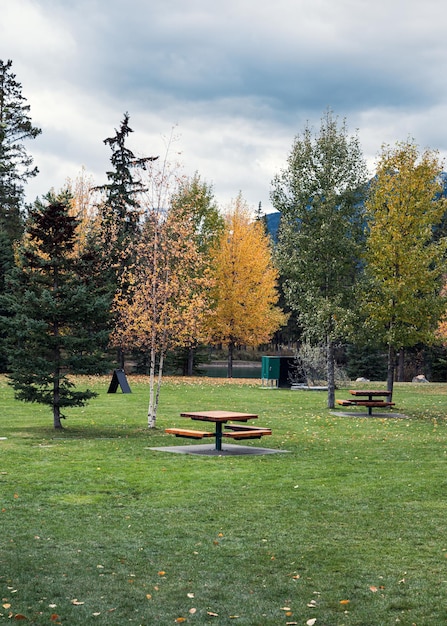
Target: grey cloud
x=240 y=78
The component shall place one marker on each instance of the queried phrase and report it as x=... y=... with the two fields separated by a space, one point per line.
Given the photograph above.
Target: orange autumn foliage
x=244 y=295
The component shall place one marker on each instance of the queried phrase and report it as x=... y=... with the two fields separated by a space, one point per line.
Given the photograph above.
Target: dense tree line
x=146 y=264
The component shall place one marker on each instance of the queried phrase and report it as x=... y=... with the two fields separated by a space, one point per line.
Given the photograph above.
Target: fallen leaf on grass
x=192 y=611
x=212 y=614
x=54 y=617
x=6 y=606
x=373 y=589
x=180 y=620
x=20 y=616
x=190 y=595
x=311 y=622
x=344 y=601
x=76 y=602
x=161 y=573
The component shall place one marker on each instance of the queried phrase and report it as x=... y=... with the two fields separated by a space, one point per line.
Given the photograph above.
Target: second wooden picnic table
x=368 y=398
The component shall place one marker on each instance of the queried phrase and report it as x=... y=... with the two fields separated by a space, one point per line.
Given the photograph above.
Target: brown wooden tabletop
x=219 y=416
x=369 y=392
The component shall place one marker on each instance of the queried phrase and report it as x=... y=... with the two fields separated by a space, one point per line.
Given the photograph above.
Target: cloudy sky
x=235 y=81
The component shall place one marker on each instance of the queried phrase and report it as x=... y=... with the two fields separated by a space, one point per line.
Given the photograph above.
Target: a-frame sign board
x=119 y=378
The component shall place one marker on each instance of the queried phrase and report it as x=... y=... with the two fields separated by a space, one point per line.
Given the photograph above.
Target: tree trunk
x=56 y=385
x=400 y=369
x=56 y=403
x=151 y=416
x=330 y=375
x=230 y=359
x=120 y=359
x=159 y=381
x=57 y=418
x=190 y=366
x=390 y=374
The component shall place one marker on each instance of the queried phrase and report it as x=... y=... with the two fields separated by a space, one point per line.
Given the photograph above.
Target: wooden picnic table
x=219 y=418
x=369 y=398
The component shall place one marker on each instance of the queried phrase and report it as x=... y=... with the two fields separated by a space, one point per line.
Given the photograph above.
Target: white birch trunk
x=151 y=413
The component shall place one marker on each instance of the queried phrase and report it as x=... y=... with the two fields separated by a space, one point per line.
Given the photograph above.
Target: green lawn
x=348 y=528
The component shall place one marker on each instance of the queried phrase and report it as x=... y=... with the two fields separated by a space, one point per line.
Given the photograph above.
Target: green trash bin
x=276 y=370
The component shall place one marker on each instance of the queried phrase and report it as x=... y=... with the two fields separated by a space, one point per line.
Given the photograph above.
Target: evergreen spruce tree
x=120 y=212
x=16 y=165
x=55 y=322
x=15 y=169
x=121 y=206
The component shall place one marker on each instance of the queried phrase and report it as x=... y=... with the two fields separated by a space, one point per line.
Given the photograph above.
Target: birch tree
x=163 y=295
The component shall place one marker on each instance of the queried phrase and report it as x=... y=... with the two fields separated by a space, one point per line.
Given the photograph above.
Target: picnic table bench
x=233 y=431
x=189 y=433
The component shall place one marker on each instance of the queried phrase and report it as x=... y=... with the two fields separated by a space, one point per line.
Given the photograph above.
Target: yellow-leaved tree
x=442 y=327
x=244 y=292
x=405 y=265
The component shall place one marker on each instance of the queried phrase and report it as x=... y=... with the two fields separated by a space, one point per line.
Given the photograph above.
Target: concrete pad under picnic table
x=384 y=414
x=210 y=450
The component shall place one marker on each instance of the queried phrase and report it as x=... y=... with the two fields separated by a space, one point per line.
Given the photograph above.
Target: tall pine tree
x=15 y=169
x=120 y=213
x=121 y=205
x=55 y=323
x=16 y=165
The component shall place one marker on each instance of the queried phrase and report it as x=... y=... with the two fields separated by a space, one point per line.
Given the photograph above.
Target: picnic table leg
x=218 y=435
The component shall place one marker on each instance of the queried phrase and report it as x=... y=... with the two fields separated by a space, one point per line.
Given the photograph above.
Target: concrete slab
x=383 y=415
x=210 y=450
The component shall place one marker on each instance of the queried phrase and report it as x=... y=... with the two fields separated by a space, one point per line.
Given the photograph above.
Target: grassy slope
x=354 y=512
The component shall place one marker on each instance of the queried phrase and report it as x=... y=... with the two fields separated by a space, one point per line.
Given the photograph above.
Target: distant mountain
x=273 y=219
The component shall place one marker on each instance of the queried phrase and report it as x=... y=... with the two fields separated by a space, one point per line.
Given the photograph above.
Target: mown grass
x=347 y=528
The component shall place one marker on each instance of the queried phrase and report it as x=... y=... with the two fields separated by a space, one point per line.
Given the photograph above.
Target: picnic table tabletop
x=219 y=416
x=369 y=392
